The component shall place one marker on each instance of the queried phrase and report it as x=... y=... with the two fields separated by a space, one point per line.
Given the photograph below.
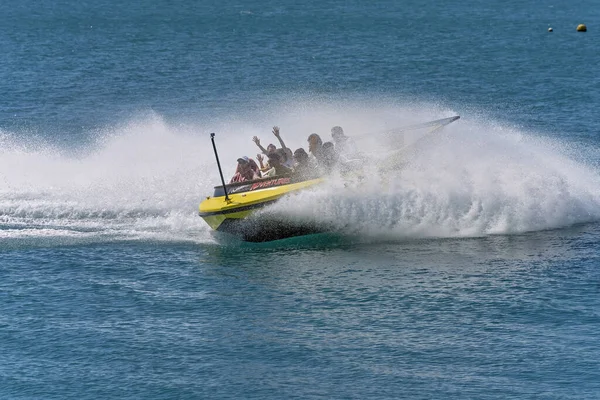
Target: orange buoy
x=581 y=28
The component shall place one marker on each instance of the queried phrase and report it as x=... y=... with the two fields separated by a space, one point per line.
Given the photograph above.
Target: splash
x=143 y=180
x=474 y=179
x=140 y=181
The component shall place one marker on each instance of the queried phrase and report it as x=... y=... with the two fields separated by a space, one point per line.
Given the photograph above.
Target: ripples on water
x=486 y=317
x=471 y=274
x=114 y=287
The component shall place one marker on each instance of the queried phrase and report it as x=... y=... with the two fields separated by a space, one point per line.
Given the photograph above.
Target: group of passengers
x=283 y=162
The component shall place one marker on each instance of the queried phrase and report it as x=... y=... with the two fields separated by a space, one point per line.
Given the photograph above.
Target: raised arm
x=277 y=135
x=256 y=140
x=263 y=167
x=260 y=159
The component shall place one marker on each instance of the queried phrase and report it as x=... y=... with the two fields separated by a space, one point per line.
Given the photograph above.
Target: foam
x=143 y=179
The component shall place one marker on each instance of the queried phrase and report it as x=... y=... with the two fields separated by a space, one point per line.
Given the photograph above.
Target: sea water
x=472 y=272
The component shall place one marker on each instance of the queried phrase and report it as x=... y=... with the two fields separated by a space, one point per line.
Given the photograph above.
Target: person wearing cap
x=271 y=147
x=246 y=170
x=277 y=167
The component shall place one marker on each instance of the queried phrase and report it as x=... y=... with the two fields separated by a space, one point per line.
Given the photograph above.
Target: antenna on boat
x=212 y=139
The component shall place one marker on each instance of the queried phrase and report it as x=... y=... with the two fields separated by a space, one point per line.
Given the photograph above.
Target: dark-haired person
x=329 y=156
x=300 y=157
x=285 y=161
x=338 y=136
x=277 y=167
x=315 y=146
x=303 y=167
x=271 y=147
x=246 y=170
x=263 y=167
x=344 y=146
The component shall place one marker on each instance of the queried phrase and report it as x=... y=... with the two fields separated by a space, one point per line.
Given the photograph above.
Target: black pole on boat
x=212 y=139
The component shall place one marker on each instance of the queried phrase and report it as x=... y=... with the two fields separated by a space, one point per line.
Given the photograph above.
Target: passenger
x=271 y=147
x=263 y=167
x=254 y=167
x=286 y=161
x=289 y=163
x=277 y=167
x=303 y=167
x=343 y=144
x=315 y=146
x=288 y=153
x=337 y=133
x=246 y=170
x=329 y=156
x=301 y=158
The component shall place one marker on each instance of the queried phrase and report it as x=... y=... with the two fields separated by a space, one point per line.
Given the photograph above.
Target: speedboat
x=235 y=208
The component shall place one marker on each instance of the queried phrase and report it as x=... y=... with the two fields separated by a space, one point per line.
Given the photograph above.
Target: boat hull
x=266 y=229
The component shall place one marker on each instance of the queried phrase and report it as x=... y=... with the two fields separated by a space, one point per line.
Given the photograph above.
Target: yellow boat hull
x=235 y=216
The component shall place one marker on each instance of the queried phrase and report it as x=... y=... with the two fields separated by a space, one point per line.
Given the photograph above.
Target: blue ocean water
x=471 y=273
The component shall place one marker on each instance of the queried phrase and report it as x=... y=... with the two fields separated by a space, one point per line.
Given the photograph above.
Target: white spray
x=144 y=179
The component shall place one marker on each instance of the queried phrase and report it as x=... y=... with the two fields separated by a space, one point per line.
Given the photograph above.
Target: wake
x=145 y=179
